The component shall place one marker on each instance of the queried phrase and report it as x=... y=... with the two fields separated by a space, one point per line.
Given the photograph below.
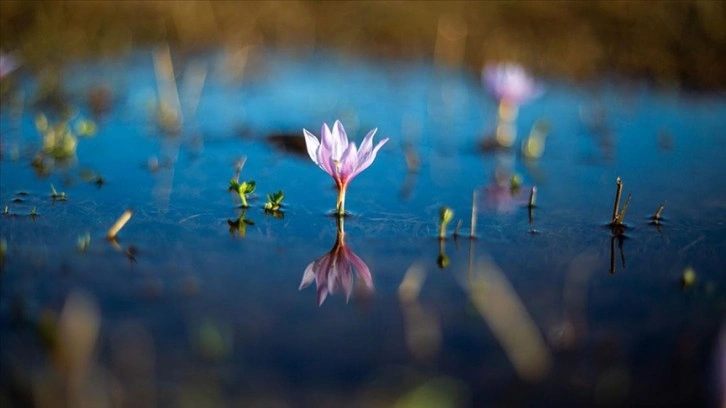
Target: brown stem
x=656 y=216
x=618 y=193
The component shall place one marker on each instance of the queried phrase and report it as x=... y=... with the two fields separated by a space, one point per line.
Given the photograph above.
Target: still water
x=544 y=307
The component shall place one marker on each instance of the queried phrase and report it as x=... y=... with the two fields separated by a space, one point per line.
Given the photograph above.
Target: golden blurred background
x=680 y=43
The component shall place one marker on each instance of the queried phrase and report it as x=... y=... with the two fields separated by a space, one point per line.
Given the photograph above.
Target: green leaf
x=446 y=214
x=247 y=187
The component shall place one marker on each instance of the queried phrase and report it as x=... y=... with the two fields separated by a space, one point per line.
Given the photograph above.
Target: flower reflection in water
x=333 y=272
x=503 y=194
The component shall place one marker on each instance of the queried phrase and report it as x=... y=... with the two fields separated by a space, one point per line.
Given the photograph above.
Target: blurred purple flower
x=8 y=64
x=333 y=272
x=510 y=83
x=339 y=158
x=502 y=198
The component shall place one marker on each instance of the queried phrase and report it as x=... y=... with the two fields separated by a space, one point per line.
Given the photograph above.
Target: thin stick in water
x=621 y=216
x=656 y=216
x=618 y=193
x=119 y=224
x=472 y=231
x=456 y=229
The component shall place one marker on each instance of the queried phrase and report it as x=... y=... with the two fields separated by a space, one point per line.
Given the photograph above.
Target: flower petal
x=348 y=163
x=338 y=140
x=366 y=160
x=324 y=161
x=312 y=144
x=342 y=135
x=325 y=136
x=367 y=143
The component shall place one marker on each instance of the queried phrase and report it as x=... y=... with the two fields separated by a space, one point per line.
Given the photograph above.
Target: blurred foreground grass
x=680 y=43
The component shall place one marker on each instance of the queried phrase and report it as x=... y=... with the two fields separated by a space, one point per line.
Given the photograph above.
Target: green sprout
x=55 y=195
x=446 y=214
x=274 y=201
x=243 y=188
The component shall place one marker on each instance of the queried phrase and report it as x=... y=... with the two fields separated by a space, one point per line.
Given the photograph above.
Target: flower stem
x=340 y=207
x=244 y=200
x=340 y=224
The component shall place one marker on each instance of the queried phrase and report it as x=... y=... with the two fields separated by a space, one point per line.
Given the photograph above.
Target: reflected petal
x=334 y=271
x=362 y=270
x=308 y=276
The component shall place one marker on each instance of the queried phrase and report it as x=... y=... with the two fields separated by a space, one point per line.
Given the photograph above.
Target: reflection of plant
x=334 y=271
x=443 y=260
x=274 y=201
x=239 y=226
x=243 y=188
x=341 y=159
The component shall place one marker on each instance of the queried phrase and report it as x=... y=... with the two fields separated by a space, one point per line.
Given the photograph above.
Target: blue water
x=634 y=336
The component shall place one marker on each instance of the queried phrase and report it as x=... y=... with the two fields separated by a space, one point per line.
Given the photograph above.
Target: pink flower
x=333 y=272
x=339 y=158
x=510 y=83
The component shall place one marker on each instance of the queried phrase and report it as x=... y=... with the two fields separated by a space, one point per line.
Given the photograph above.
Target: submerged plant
x=340 y=158
x=334 y=271
x=274 y=201
x=243 y=188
